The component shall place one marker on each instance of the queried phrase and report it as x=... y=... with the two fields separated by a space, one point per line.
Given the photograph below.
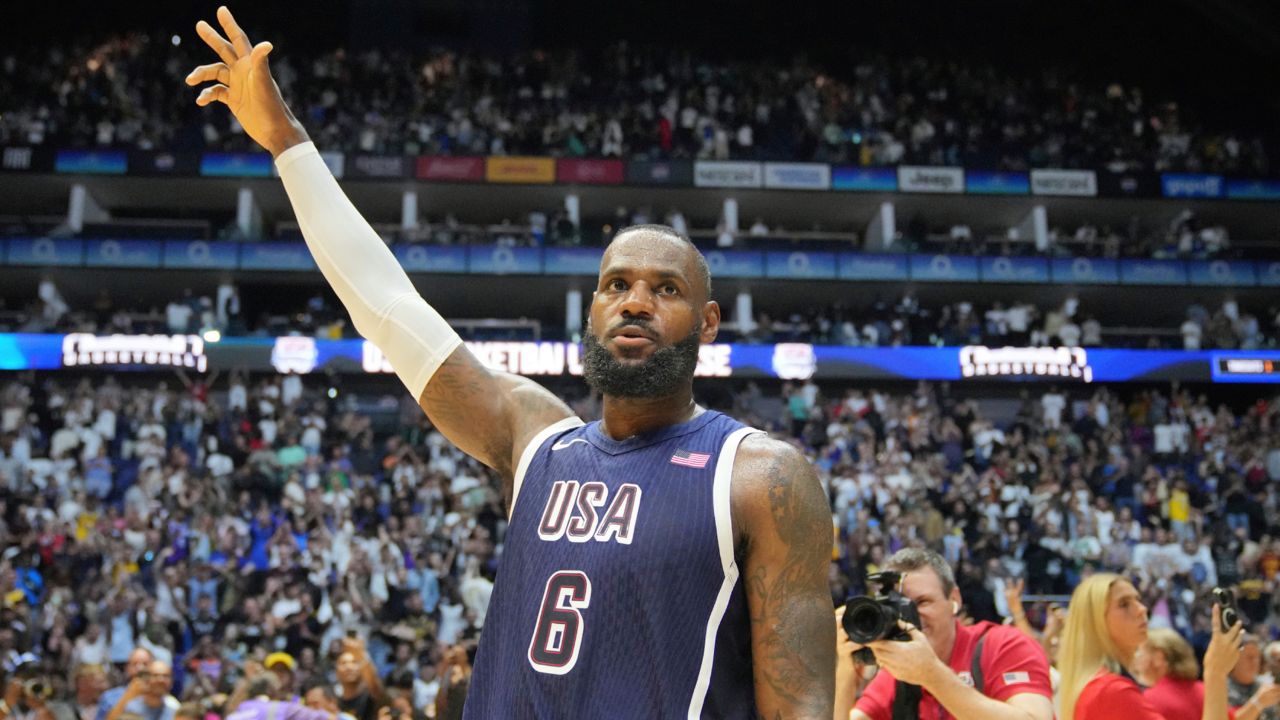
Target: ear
x=955 y=601
x=710 y=322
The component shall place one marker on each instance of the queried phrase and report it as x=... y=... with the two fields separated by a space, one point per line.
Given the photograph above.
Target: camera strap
x=975 y=668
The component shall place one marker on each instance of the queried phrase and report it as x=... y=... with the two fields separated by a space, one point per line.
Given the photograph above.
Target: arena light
x=978 y=361
x=211 y=335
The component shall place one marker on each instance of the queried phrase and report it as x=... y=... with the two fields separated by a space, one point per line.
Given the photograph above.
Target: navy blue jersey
x=617 y=594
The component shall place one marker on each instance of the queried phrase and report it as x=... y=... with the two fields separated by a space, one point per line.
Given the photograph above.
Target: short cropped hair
x=909 y=559
x=703 y=268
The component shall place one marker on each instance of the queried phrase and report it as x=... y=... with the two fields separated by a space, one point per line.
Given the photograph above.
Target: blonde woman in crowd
x=1106 y=624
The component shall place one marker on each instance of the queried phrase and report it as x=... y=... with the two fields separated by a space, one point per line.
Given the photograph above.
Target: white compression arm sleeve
x=384 y=306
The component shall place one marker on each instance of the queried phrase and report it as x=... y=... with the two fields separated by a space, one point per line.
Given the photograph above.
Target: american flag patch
x=1013 y=678
x=690 y=459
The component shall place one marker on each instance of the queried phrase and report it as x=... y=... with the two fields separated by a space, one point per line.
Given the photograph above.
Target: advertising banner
x=793 y=361
x=1067 y=183
x=864 y=179
x=660 y=172
x=944 y=268
x=275 y=256
x=572 y=261
x=590 y=172
x=797 y=176
x=236 y=165
x=1253 y=189
x=800 y=265
x=1227 y=273
x=523 y=170
x=919 y=179
x=431 y=258
x=1182 y=185
x=201 y=255
x=1084 y=271
x=727 y=174
x=150 y=163
x=499 y=260
x=854 y=266
x=122 y=253
x=1269 y=274
x=451 y=169
x=45 y=252
x=369 y=167
x=1153 y=272
x=735 y=263
x=91 y=162
x=1014 y=269
x=980 y=182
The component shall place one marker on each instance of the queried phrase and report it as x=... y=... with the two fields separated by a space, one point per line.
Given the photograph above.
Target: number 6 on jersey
x=558 y=635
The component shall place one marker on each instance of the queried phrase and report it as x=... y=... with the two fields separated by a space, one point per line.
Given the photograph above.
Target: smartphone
x=1229 y=611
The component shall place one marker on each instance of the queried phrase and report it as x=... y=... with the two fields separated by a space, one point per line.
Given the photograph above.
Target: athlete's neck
x=625 y=417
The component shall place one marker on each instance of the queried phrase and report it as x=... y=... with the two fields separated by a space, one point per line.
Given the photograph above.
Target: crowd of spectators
x=1219 y=324
x=907 y=321
x=266 y=523
x=624 y=101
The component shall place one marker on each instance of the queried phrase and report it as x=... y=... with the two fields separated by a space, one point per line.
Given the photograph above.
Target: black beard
x=663 y=373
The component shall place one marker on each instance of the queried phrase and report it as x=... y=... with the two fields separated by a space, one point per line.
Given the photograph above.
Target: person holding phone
x=1106 y=624
x=1247 y=691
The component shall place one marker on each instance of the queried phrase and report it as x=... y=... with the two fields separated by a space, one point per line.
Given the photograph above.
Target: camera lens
x=866 y=620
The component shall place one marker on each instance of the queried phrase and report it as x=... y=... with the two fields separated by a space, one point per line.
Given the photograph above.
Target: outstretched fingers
x=216 y=72
x=218 y=93
x=216 y=42
x=238 y=39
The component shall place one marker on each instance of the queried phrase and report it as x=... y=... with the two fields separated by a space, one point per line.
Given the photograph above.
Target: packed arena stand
x=625 y=101
x=1214 y=322
x=214 y=521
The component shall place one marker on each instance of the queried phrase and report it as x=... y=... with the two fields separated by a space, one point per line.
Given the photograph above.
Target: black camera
x=1230 y=613
x=37 y=689
x=869 y=618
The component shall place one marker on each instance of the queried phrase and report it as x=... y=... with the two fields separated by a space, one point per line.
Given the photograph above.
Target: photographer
x=26 y=697
x=979 y=672
x=147 y=695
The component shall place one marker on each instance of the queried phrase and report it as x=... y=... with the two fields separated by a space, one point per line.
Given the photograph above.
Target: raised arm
x=490 y=416
x=783 y=524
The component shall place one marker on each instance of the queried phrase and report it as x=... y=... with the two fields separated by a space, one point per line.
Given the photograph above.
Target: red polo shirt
x=1109 y=696
x=1176 y=699
x=1012 y=664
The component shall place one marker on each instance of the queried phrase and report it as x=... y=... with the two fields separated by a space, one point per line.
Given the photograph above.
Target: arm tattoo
x=794 y=618
x=451 y=399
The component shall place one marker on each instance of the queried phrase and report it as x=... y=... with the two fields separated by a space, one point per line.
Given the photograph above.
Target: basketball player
x=663 y=562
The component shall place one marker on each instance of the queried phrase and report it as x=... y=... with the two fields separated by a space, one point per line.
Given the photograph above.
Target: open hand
x=243 y=82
